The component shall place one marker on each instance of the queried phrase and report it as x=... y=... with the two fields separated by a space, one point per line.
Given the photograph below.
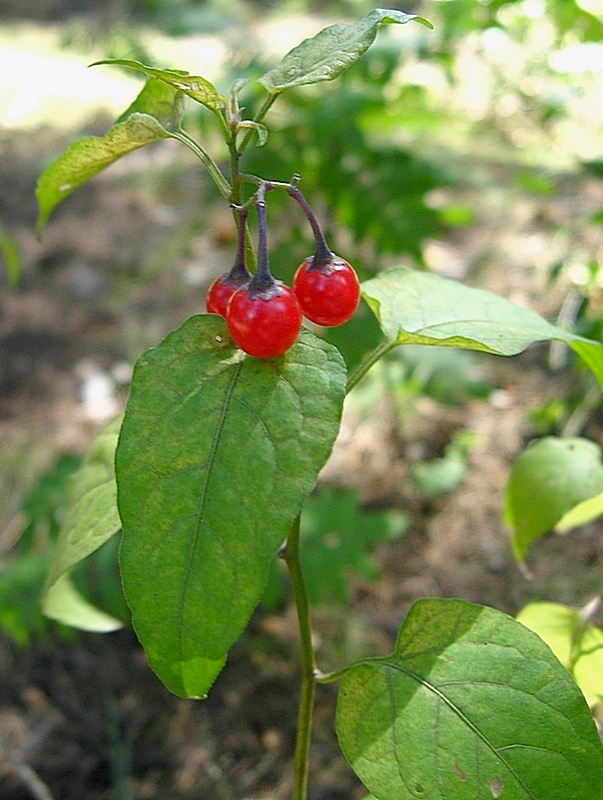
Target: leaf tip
x=425 y=22
x=43 y=215
x=40 y=225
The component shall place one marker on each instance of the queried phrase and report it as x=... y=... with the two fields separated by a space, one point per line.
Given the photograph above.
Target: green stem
x=371 y=359
x=207 y=160
x=305 y=714
x=223 y=125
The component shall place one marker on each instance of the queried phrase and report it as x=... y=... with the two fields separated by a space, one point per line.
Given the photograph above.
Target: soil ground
x=84 y=716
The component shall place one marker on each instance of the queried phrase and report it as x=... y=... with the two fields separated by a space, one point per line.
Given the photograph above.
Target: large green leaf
x=331 y=51
x=217 y=452
x=470 y=705
x=196 y=87
x=415 y=307
x=87 y=157
x=548 y=480
x=90 y=521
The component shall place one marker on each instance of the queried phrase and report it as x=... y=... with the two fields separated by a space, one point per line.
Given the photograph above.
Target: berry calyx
x=328 y=292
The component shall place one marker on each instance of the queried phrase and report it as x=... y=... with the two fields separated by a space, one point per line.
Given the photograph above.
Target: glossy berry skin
x=264 y=323
x=328 y=294
x=220 y=292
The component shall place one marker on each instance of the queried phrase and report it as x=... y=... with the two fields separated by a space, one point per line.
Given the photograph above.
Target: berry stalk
x=262 y=278
x=322 y=253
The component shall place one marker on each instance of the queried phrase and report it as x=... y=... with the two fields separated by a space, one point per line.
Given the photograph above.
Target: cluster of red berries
x=264 y=315
x=264 y=322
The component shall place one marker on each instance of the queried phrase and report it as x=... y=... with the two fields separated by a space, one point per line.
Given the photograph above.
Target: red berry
x=328 y=294
x=264 y=323
x=220 y=292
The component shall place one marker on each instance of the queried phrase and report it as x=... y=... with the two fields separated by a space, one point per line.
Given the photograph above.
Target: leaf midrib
x=199 y=517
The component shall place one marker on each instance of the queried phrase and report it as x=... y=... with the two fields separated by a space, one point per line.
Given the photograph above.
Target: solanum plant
x=229 y=421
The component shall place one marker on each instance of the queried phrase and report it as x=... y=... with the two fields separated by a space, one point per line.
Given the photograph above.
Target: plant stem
x=290 y=554
x=262 y=278
x=370 y=360
x=223 y=125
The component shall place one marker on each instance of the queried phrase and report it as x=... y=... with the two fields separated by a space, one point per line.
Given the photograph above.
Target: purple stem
x=262 y=277
x=239 y=271
x=322 y=254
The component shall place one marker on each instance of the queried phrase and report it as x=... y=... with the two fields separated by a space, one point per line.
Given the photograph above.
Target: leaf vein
x=473 y=727
x=203 y=493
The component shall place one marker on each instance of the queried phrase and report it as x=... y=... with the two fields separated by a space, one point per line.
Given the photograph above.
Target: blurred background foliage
x=404 y=149
x=411 y=157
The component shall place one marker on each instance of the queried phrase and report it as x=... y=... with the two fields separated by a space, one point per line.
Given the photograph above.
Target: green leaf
x=87 y=157
x=10 y=255
x=156 y=99
x=217 y=453
x=547 y=480
x=441 y=475
x=90 y=521
x=590 y=352
x=581 y=514
x=331 y=51
x=21 y=580
x=470 y=705
x=196 y=87
x=260 y=130
x=578 y=646
x=337 y=536
x=45 y=503
x=65 y=604
x=421 y=308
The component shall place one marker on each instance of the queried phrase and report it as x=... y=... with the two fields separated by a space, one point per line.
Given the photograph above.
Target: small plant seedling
x=228 y=423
